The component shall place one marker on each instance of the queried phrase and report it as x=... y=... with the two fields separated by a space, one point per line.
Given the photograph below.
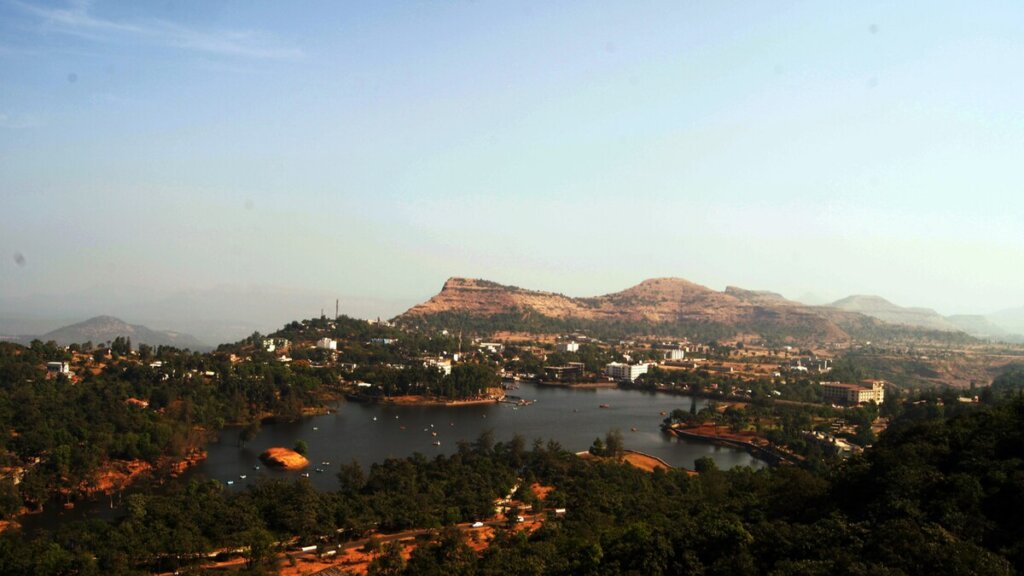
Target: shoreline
x=419 y=400
x=578 y=385
x=768 y=452
x=639 y=460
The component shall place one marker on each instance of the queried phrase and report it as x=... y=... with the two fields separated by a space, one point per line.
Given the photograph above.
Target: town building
x=675 y=354
x=493 y=347
x=571 y=371
x=327 y=344
x=442 y=365
x=571 y=346
x=852 y=394
x=384 y=341
x=58 y=368
x=625 y=372
x=271 y=344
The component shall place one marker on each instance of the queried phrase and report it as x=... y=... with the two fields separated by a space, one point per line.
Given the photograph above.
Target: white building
x=676 y=354
x=327 y=344
x=625 y=372
x=571 y=346
x=58 y=368
x=492 y=347
x=442 y=365
x=271 y=344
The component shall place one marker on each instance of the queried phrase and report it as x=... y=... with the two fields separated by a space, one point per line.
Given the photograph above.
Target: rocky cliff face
x=659 y=302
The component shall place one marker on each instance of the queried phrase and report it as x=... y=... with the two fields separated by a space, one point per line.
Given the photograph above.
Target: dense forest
x=935 y=495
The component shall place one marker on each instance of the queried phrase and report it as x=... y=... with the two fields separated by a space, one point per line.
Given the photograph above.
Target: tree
x=260 y=545
x=302 y=447
x=351 y=478
x=250 y=432
x=705 y=464
x=615 y=446
x=389 y=562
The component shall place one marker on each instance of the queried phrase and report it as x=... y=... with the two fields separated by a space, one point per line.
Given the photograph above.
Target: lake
x=371 y=433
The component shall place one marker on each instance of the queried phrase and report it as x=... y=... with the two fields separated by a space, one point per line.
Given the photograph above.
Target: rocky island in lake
x=284 y=458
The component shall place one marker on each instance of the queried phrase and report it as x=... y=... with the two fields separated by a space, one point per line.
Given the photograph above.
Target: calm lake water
x=371 y=433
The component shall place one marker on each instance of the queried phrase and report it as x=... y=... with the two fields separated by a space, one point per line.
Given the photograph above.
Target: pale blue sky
x=373 y=150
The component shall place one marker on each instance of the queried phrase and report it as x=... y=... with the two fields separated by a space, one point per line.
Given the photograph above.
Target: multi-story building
x=327 y=344
x=444 y=366
x=625 y=372
x=571 y=346
x=492 y=347
x=675 y=354
x=571 y=371
x=853 y=394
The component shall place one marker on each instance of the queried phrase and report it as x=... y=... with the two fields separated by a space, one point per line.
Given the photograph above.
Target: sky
x=295 y=153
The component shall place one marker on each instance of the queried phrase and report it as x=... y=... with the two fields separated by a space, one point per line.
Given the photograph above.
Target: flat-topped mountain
x=657 y=306
x=107 y=328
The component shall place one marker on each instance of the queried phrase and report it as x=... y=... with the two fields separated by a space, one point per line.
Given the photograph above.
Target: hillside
x=106 y=328
x=665 y=306
x=1011 y=320
x=882 y=309
x=975 y=325
x=982 y=327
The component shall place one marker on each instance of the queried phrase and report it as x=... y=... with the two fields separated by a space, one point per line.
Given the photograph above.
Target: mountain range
x=674 y=306
x=987 y=327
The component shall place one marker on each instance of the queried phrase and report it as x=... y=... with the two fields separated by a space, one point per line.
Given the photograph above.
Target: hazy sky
x=371 y=150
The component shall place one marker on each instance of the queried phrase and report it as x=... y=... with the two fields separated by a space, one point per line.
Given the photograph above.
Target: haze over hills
x=878 y=307
x=1011 y=320
x=661 y=305
x=973 y=324
x=219 y=314
x=107 y=328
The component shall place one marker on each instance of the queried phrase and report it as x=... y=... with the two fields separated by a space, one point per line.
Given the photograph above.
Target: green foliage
x=934 y=497
x=1008 y=383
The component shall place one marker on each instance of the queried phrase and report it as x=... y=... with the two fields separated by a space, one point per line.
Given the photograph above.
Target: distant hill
x=982 y=327
x=661 y=306
x=878 y=307
x=977 y=326
x=1011 y=320
x=106 y=328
